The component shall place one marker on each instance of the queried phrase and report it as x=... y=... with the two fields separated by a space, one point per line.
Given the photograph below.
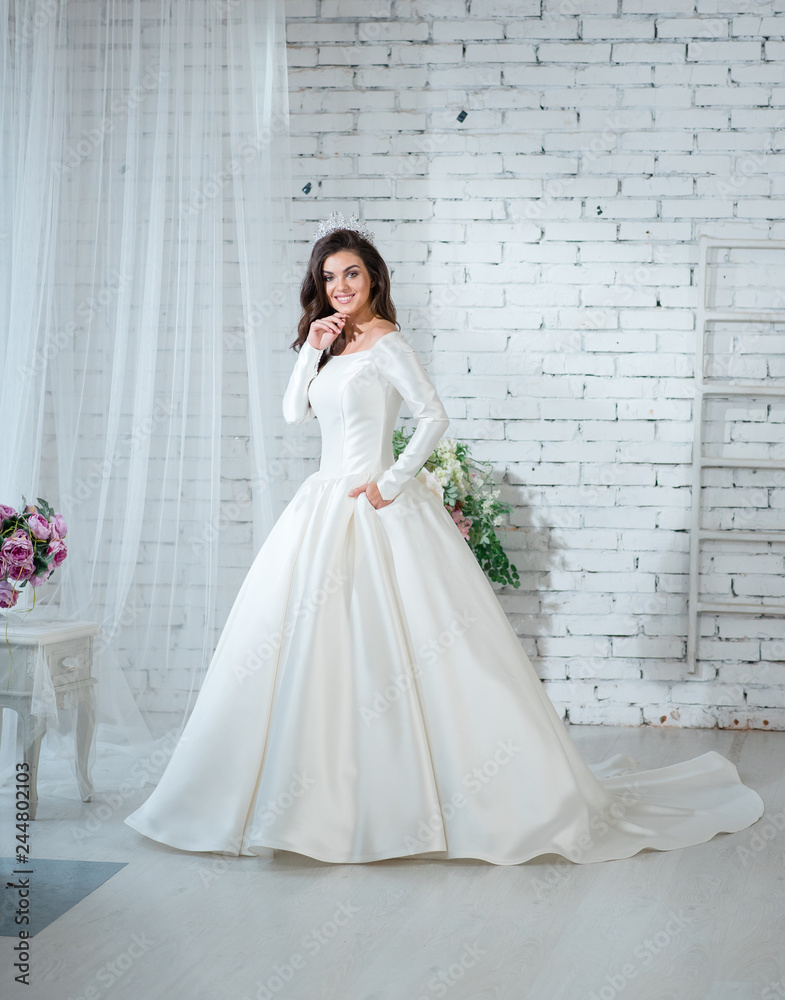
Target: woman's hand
x=371 y=490
x=324 y=331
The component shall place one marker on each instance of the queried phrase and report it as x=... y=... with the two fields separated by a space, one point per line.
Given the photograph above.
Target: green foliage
x=469 y=491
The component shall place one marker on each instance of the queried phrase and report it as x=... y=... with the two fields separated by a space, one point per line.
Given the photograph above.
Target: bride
x=368 y=697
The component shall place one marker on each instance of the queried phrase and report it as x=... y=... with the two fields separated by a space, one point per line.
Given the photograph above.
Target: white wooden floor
x=707 y=922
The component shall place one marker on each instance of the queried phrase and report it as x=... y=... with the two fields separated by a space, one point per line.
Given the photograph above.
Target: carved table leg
x=85 y=723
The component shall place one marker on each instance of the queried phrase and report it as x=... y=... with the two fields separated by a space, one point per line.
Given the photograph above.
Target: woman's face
x=346 y=282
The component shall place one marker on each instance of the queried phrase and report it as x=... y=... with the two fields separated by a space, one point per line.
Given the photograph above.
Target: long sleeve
x=403 y=369
x=295 y=405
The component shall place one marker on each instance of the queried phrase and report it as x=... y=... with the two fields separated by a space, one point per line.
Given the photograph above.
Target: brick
x=465 y=29
x=613 y=163
x=464 y=76
x=694 y=118
x=693 y=692
x=390 y=121
x=537 y=118
x=540 y=76
x=542 y=27
x=319 y=77
x=681 y=716
x=732 y=96
x=648 y=52
x=324 y=122
x=406 y=54
x=648 y=647
x=656 y=140
x=505 y=8
x=580 y=231
x=357 y=187
x=758 y=26
x=355 y=8
x=304 y=32
x=391 y=77
x=657 y=6
x=438 y=8
x=396 y=30
x=757 y=118
x=353 y=55
x=691 y=27
x=707 y=51
x=506 y=52
x=608 y=715
x=616 y=27
x=574 y=52
x=702 y=208
x=353 y=100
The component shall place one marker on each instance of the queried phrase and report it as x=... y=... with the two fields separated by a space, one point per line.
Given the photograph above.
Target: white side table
x=67 y=651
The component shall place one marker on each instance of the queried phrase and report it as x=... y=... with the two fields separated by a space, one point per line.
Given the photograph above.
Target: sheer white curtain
x=147 y=303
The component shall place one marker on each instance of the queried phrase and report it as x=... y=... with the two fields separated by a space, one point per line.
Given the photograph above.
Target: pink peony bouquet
x=31 y=546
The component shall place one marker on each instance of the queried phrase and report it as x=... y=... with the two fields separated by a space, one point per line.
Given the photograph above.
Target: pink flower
x=17 y=552
x=6 y=511
x=57 y=548
x=59 y=527
x=8 y=596
x=39 y=526
x=464 y=523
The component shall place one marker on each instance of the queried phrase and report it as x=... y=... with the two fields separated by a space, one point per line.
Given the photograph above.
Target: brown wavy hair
x=313 y=297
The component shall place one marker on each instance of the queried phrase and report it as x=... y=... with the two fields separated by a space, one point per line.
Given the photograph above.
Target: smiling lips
x=343 y=299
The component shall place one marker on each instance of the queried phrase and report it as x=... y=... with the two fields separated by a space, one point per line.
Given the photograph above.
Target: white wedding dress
x=368 y=697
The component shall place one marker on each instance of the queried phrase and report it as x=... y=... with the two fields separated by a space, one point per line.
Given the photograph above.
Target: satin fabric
x=368 y=697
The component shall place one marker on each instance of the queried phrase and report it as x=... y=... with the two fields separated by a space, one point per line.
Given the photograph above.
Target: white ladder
x=723 y=389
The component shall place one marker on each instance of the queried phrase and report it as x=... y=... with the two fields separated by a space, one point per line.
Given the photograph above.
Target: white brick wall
x=544 y=258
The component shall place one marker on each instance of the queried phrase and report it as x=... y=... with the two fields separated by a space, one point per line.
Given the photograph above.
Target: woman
x=368 y=697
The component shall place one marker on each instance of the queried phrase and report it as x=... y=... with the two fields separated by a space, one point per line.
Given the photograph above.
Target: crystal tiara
x=337 y=220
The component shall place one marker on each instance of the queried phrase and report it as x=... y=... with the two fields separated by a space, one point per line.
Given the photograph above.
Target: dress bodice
x=356 y=399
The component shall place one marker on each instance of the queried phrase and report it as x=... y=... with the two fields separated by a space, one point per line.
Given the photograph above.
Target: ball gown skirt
x=368 y=697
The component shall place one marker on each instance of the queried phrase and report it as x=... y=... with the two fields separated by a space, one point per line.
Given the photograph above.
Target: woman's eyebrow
x=351 y=267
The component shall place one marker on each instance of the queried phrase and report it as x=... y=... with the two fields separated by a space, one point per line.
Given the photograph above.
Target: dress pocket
x=387 y=506
x=430 y=482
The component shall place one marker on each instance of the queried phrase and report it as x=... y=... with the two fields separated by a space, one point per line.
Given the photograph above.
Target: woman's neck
x=356 y=327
